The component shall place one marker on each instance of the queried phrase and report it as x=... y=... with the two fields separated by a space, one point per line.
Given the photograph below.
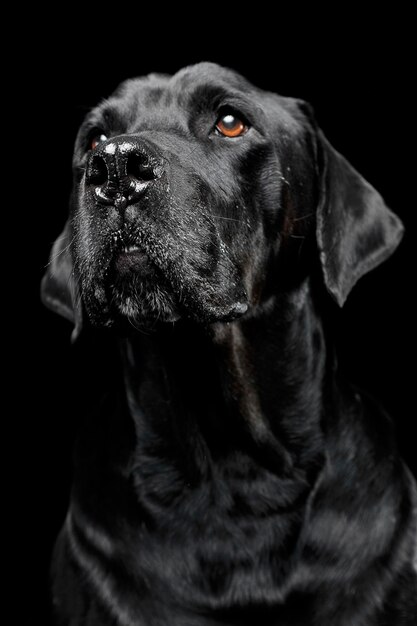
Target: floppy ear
x=58 y=289
x=355 y=229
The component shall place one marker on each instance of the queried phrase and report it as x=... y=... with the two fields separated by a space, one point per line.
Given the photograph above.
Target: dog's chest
x=225 y=542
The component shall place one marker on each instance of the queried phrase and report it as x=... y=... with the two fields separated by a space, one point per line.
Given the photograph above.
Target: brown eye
x=96 y=140
x=231 y=126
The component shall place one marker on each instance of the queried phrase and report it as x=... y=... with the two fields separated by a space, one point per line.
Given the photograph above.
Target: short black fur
x=225 y=474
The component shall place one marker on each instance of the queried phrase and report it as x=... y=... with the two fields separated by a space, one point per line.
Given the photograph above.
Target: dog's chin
x=138 y=292
x=143 y=301
x=145 y=304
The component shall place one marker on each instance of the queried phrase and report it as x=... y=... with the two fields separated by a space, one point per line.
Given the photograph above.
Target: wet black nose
x=121 y=169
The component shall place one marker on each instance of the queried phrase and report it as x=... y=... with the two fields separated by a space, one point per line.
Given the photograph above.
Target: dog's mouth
x=146 y=278
x=133 y=259
x=138 y=289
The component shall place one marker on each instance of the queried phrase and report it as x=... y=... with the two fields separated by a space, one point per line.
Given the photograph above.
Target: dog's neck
x=221 y=440
x=249 y=391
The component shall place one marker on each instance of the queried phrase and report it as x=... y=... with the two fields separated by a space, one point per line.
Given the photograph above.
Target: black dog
x=226 y=473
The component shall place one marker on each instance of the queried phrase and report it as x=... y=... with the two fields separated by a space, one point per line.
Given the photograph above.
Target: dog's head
x=188 y=189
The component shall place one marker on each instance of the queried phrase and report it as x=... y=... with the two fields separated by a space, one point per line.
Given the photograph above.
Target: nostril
x=139 y=167
x=97 y=171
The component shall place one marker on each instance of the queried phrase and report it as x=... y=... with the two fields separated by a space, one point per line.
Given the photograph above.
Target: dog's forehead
x=211 y=74
x=180 y=90
x=165 y=101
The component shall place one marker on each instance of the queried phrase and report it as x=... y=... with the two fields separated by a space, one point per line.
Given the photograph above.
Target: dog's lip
x=132 y=258
x=132 y=250
x=128 y=249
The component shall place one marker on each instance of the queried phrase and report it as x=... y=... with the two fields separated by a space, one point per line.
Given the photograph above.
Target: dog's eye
x=96 y=140
x=230 y=125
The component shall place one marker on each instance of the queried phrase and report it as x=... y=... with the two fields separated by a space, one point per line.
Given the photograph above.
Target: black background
x=357 y=75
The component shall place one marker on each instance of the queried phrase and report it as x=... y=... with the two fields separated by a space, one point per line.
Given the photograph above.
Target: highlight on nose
x=120 y=171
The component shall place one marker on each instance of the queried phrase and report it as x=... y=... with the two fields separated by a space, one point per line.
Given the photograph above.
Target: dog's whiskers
x=303 y=217
x=229 y=219
x=58 y=254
